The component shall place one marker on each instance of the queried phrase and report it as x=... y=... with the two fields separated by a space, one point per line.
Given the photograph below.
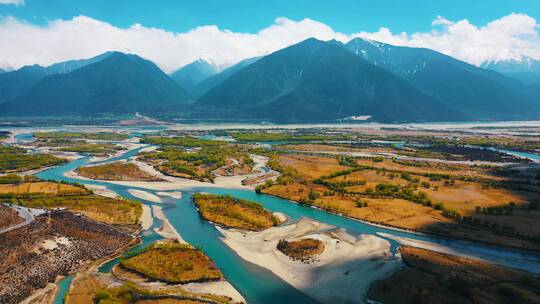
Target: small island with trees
x=233 y=212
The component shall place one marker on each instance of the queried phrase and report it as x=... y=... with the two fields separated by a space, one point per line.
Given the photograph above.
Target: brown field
x=99 y=208
x=173 y=263
x=118 y=171
x=391 y=212
x=465 y=196
x=439 y=278
x=294 y=191
x=430 y=167
x=51 y=195
x=311 y=167
x=407 y=215
x=41 y=187
x=371 y=177
x=232 y=212
x=460 y=197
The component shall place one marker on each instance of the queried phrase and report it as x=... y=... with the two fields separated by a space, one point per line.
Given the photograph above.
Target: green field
x=13 y=159
x=92 y=148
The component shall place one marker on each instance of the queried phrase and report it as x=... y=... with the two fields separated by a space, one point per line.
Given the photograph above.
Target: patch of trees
x=497 y=210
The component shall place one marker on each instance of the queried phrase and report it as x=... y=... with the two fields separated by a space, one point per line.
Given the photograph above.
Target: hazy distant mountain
x=119 y=83
x=15 y=83
x=526 y=69
x=2 y=71
x=207 y=84
x=321 y=81
x=191 y=75
x=482 y=94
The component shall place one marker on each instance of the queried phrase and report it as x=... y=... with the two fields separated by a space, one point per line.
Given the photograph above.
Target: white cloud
x=15 y=2
x=511 y=36
x=83 y=37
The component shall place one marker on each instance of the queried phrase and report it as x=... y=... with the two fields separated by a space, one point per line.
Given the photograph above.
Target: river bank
x=347 y=263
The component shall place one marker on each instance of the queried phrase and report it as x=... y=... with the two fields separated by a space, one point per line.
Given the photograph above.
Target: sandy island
x=102 y=190
x=169 y=183
x=175 y=183
x=147 y=220
x=166 y=230
x=173 y=194
x=220 y=287
x=145 y=196
x=342 y=273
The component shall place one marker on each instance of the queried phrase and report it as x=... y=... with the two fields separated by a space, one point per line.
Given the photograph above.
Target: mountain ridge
x=120 y=83
x=301 y=83
x=525 y=69
x=482 y=93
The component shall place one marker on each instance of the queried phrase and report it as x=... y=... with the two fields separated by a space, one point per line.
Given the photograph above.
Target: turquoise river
x=256 y=284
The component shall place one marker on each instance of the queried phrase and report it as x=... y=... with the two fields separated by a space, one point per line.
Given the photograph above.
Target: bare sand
x=102 y=190
x=174 y=183
x=220 y=287
x=146 y=219
x=173 y=194
x=166 y=230
x=149 y=149
x=145 y=196
x=282 y=218
x=342 y=273
x=74 y=175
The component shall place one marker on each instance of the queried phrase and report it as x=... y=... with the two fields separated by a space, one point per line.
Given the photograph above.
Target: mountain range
x=525 y=69
x=320 y=81
x=312 y=81
x=118 y=83
x=13 y=84
x=192 y=74
x=481 y=93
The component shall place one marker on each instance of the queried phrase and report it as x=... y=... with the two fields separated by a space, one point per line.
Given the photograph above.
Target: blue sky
x=175 y=33
x=346 y=16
